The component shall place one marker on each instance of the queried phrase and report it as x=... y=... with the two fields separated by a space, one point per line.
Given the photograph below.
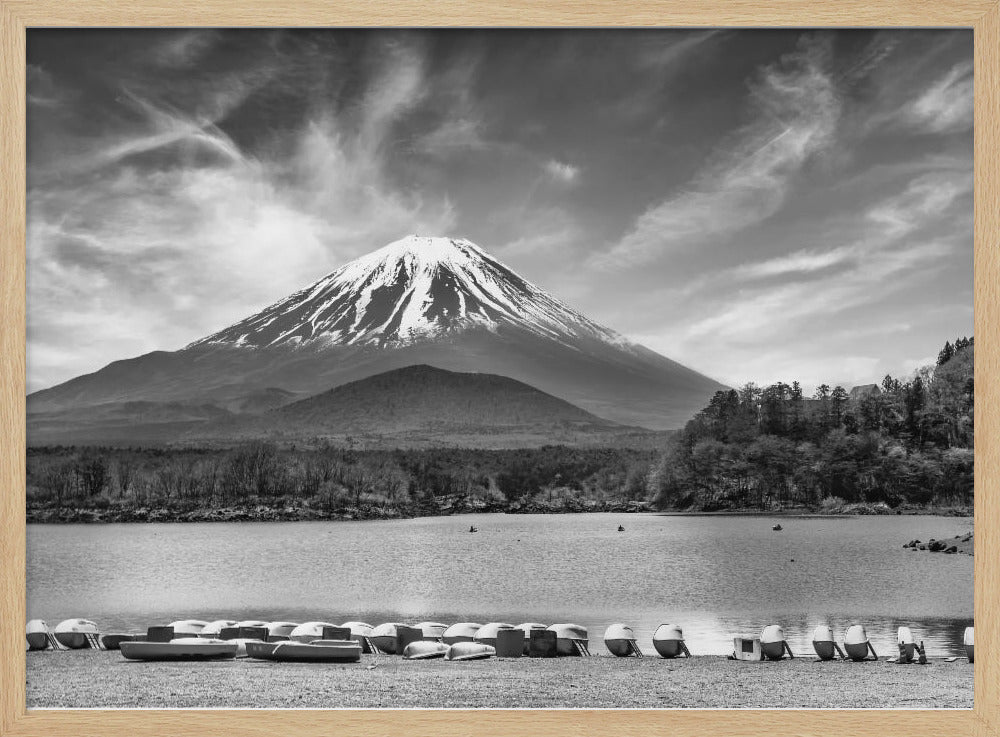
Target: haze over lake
x=713 y=575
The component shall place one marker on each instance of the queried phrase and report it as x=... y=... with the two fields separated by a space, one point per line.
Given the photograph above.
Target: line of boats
x=192 y=639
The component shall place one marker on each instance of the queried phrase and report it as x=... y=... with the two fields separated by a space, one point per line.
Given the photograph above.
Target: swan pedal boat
x=37 y=633
x=619 y=639
x=183 y=648
x=487 y=634
x=317 y=651
x=571 y=639
x=72 y=633
x=668 y=641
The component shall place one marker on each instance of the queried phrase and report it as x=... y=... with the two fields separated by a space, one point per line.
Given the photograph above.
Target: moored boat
x=460 y=632
x=619 y=639
x=72 y=633
x=280 y=630
x=469 y=651
x=969 y=640
x=856 y=643
x=309 y=631
x=37 y=634
x=183 y=648
x=668 y=641
x=251 y=623
x=823 y=642
x=386 y=638
x=487 y=634
x=317 y=651
x=772 y=642
x=571 y=639
x=425 y=650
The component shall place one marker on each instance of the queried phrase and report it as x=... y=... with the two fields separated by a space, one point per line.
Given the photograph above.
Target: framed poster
x=697 y=280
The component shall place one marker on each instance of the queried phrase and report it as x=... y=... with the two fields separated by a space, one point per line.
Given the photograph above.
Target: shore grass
x=82 y=679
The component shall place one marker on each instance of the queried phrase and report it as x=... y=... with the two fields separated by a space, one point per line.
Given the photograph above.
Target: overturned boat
x=76 y=633
x=425 y=650
x=487 y=634
x=856 y=644
x=469 y=651
x=668 y=640
x=461 y=632
x=317 y=651
x=619 y=639
x=37 y=634
x=183 y=648
x=571 y=639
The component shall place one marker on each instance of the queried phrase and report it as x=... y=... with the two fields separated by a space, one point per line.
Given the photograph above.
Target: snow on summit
x=413 y=289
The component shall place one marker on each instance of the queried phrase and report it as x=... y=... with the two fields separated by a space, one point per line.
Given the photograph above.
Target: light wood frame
x=16 y=15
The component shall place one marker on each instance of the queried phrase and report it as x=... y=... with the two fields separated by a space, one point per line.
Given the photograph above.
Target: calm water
x=714 y=576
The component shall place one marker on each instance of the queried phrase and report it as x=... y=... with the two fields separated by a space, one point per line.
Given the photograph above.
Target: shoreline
x=269 y=513
x=104 y=679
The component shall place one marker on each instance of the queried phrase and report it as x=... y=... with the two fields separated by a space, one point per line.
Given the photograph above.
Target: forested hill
x=900 y=442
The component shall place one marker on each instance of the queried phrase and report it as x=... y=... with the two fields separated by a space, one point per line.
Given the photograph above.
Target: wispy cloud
x=947 y=105
x=796 y=106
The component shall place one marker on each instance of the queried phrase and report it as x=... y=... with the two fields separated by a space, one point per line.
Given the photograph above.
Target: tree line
x=367 y=482
x=897 y=443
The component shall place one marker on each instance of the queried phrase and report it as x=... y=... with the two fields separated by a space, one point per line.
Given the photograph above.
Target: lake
x=713 y=575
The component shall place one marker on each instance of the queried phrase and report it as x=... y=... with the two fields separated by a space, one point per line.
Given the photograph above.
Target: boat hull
x=825 y=649
x=114 y=641
x=856 y=651
x=317 y=651
x=424 y=650
x=469 y=651
x=620 y=648
x=183 y=649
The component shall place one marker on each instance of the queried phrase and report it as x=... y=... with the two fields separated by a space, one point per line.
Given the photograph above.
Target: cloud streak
x=796 y=108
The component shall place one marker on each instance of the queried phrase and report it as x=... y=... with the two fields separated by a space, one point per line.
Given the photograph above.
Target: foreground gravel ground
x=82 y=678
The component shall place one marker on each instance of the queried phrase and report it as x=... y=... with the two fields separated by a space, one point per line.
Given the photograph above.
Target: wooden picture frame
x=16 y=15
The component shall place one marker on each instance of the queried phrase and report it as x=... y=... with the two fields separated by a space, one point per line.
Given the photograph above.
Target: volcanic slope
x=420 y=300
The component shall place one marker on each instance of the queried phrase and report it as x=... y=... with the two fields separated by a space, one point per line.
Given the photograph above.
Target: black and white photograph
x=389 y=368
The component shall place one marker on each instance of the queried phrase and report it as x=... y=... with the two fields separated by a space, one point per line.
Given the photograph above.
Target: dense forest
x=328 y=482
x=896 y=444
x=881 y=447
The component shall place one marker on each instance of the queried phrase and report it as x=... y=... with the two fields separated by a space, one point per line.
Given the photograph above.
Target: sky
x=759 y=205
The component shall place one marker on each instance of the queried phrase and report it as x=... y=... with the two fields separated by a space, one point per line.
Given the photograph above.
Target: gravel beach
x=82 y=679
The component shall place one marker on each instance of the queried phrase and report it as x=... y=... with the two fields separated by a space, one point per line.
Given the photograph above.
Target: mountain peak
x=413 y=289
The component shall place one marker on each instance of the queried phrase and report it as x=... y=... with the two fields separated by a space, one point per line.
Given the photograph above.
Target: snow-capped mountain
x=442 y=302
x=413 y=289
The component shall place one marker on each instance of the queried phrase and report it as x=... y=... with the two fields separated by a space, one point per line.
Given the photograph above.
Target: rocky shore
x=962 y=544
x=292 y=513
